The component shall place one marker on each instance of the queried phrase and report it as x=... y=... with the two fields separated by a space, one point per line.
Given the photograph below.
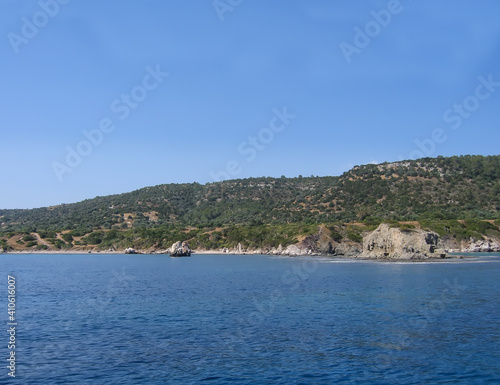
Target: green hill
x=421 y=190
x=445 y=188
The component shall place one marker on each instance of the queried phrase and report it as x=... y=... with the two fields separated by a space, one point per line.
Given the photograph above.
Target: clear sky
x=102 y=97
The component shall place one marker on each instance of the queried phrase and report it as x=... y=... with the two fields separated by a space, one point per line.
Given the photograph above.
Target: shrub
x=3 y=245
x=403 y=226
x=372 y=221
x=58 y=244
x=94 y=238
x=334 y=234
x=355 y=237
x=67 y=237
x=47 y=234
x=478 y=225
x=79 y=232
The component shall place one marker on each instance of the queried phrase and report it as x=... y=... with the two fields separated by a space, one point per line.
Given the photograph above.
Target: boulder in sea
x=131 y=250
x=180 y=249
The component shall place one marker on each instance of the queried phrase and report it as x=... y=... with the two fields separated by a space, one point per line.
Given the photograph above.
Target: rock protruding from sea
x=131 y=250
x=180 y=249
x=394 y=243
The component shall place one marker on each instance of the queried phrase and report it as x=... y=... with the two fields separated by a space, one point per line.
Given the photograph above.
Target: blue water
x=225 y=319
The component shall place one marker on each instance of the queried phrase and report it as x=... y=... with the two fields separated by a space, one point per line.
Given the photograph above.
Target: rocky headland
x=394 y=243
x=385 y=242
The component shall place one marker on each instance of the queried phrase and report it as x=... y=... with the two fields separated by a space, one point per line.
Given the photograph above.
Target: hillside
x=439 y=188
x=457 y=197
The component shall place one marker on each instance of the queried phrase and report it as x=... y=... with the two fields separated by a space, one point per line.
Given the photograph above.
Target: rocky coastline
x=383 y=243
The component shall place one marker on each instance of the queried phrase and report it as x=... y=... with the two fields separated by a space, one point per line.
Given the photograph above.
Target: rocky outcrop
x=294 y=250
x=131 y=250
x=308 y=246
x=180 y=249
x=320 y=243
x=278 y=250
x=347 y=249
x=482 y=246
x=394 y=243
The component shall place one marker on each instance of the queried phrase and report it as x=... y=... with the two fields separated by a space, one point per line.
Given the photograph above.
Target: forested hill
x=437 y=188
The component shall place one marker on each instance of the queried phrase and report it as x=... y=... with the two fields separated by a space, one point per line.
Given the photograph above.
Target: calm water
x=141 y=319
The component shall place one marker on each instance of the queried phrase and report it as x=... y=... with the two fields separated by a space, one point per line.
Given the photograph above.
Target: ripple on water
x=256 y=319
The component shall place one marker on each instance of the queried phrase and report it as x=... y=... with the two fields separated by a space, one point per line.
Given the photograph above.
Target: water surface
x=227 y=319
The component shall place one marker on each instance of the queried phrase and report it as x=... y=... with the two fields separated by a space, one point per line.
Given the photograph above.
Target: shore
x=77 y=252
x=360 y=257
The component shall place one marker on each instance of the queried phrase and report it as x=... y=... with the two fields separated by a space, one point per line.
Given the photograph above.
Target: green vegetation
x=47 y=234
x=67 y=237
x=261 y=236
x=4 y=246
x=440 y=193
x=354 y=236
x=470 y=228
x=29 y=238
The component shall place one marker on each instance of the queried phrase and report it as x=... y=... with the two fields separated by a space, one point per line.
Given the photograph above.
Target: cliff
x=395 y=243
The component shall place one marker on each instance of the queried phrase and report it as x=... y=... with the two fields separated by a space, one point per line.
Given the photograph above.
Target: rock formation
x=130 y=250
x=482 y=246
x=347 y=249
x=180 y=249
x=294 y=250
x=394 y=243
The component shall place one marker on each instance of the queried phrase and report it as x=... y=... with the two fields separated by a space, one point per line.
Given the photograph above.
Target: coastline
x=449 y=257
x=386 y=243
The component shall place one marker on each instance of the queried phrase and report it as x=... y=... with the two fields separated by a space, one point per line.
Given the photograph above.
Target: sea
x=248 y=319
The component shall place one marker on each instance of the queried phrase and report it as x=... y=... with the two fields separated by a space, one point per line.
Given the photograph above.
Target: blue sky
x=364 y=81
